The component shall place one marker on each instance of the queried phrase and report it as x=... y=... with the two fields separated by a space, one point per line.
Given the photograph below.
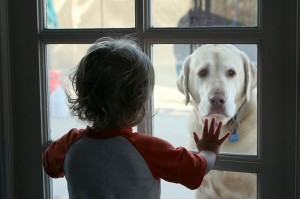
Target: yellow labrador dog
x=220 y=81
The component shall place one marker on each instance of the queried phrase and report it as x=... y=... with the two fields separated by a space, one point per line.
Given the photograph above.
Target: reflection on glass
x=176 y=121
x=204 y=13
x=65 y=14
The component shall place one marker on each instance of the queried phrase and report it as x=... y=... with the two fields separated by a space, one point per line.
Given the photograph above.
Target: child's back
x=108 y=168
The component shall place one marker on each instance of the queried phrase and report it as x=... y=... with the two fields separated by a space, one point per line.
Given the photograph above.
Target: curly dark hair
x=112 y=83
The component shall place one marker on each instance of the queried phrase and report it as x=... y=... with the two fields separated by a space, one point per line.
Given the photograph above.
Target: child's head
x=112 y=83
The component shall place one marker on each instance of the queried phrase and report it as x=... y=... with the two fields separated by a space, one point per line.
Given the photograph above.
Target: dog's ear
x=183 y=79
x=250 y=75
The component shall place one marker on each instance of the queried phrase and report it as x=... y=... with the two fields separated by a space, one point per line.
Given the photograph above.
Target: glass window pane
x=227 y=184
x=226 y=90
x=59 y=188
x=204 y=13
x=61 y=60
x=66 y=14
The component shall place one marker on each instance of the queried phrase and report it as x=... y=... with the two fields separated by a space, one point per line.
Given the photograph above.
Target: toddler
x=107 y=160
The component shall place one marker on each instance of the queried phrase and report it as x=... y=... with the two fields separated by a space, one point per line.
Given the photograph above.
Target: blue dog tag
x=234 y=136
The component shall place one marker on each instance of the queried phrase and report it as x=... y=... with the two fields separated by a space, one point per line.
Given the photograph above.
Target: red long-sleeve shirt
x=117 y=162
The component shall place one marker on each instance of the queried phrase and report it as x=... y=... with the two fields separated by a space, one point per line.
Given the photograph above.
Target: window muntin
x=204 y=13
x=68 y=14
x=58 y=186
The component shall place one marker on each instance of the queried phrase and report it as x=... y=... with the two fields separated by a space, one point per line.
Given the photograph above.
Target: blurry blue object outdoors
x=52 y=21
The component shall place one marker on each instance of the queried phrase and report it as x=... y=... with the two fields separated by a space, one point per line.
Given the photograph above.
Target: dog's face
x=219 y=79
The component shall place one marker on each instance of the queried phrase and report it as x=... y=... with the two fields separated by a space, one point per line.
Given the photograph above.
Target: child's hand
x=210 y=137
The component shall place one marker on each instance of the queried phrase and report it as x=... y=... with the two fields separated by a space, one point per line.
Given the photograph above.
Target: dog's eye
x=203 y=73
x=230 y=73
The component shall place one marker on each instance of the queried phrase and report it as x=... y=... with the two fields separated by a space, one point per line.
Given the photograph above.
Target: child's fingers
x=217 y=134
x=222 y=139
x=196 y=138
x=212 y=126
x=205 y=129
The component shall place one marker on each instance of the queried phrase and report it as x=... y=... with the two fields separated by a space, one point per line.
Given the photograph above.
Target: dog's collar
x=233 y=124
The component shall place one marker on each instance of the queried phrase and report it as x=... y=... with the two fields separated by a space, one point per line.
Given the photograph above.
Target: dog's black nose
x=218 y=99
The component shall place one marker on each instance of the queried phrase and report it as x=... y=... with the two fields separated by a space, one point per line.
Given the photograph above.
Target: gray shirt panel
x=108 y=169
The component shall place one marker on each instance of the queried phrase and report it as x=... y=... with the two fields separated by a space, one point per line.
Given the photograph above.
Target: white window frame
x=23 y=101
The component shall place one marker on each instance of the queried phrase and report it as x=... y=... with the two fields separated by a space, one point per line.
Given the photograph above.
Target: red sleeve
x=176 y=165
x=53 y=158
